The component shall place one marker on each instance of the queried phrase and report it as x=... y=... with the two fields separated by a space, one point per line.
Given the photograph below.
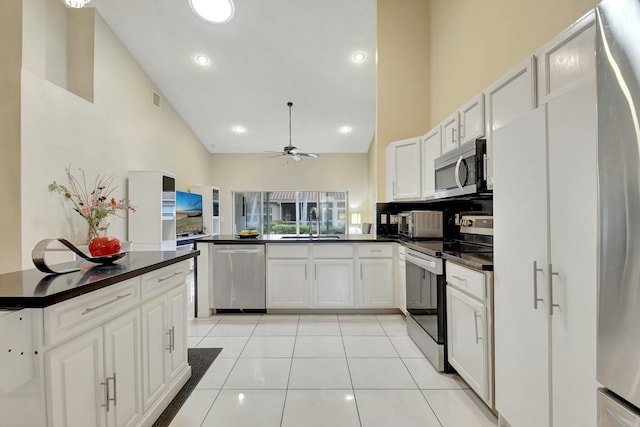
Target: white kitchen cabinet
x=94 y=379
x=75 y=382
x=510 y=97
x=333 y=283
x=567 y=61
x=123 y=369
x=288 y=283
x=431 y=150
x=472 y=124
x=164 y=346
x=400 y=282
x=450 y=132
x=469 y=327
x=403 y=170
x=375 y=284
x=554 y=264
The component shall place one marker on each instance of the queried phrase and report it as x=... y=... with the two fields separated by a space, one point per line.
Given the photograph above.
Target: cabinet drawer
x=375 y=251
x=300 y=250
x=467 y=280
x=166 y=278
x=332 y=251
x=75 y=316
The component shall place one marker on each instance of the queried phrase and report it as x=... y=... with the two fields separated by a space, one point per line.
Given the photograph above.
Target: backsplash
x=386 y=212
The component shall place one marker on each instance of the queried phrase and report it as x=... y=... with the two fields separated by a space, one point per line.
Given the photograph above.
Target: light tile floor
x=324 y=371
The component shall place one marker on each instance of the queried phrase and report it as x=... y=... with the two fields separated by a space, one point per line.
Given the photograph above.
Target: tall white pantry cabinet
x=545 y=244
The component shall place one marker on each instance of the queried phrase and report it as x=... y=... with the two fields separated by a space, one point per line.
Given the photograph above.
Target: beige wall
x=257 y=172
x=10 y=62
x=120 y=131
x=402 y=99
x=472 y=43
x=435 y=55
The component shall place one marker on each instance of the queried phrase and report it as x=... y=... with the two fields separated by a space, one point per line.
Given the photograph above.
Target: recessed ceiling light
x=216 y=11
x=201 y=60
x=344 y=129
x=359 y=57
x=239 y=129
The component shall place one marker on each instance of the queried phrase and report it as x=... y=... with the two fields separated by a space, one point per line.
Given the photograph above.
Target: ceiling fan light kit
x=76 y=4
x=290 y=150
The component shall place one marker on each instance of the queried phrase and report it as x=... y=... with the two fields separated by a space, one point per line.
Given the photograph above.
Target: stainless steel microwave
x=462 y=171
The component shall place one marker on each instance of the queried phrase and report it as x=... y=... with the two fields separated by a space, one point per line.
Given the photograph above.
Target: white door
x=450 y=137
x=333 y=283
x=75 y=382
x=376 y=283
x=472 y=120
x=573 y=230
x=467 y=340
x=122 y=369
x=520 y=212
x=407 y=169
x=287 y=283
x=177 y=316
x=509 y=98
x=155 y=342
x=431 y=150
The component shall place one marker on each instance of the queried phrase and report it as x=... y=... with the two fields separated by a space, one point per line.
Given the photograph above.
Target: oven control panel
x=477 y=224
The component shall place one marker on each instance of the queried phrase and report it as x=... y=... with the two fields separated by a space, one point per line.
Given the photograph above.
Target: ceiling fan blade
x=269 y=151
x=278 y=155
x=312 y=155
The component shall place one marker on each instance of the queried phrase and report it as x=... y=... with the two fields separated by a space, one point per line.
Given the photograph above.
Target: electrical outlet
x=456 y=220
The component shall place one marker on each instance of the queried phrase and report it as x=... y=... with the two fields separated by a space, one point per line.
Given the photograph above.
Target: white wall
x=330 y=172
x=120 y=131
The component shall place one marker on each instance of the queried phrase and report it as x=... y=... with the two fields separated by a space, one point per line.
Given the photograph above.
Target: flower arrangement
x=93 y=204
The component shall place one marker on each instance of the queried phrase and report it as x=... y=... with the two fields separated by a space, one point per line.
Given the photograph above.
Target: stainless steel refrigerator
x=618 y=329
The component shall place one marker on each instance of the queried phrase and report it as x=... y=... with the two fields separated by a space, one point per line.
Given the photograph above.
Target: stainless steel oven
x=462 y=171
x=426 y=303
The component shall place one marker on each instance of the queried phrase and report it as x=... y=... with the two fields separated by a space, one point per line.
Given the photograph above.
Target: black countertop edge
x=472 y=261
x=42 y=301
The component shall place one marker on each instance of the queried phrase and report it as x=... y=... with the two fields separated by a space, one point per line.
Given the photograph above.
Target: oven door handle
x=426 y=264
x=457 y=172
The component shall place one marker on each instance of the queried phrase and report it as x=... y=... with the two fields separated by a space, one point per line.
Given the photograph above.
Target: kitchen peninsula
x=105 y=345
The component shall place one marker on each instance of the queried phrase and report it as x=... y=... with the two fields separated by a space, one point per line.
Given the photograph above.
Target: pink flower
x=86 y=210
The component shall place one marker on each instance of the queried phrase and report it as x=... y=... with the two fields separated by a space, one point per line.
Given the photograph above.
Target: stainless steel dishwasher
x=239 y=282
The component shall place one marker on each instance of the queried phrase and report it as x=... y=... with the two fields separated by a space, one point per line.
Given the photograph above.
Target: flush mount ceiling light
x=201 y=60
x=216 y=11
x=344 y=129
x=359 y=57
x=239 y=129
x=76 y=4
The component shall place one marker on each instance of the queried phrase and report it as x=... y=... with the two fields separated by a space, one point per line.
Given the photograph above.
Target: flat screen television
x=188 y=214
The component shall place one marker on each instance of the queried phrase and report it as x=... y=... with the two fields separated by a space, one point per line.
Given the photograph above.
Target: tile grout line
x=355 y=399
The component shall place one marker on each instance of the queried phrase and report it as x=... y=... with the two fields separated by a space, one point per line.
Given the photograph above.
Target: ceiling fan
x=290 y=150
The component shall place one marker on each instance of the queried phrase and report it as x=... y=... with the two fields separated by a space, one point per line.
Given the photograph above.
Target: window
x=291 y=213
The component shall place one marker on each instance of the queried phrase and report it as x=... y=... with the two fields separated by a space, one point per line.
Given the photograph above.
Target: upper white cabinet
x=450 y=132
x=568 y=60
x=403 y=170
x=472 y=120
x=464 y=125
x=431 y=150
x=512 y=96
x=545 y=292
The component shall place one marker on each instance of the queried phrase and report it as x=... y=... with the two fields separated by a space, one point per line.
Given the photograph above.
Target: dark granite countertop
x=353 y=238
x=480 y=260
x=35 y=289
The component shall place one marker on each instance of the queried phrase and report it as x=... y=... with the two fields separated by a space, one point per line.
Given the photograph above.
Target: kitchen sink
x=308 y=237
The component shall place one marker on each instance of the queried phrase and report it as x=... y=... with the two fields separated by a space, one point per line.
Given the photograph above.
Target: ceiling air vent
x=155 y=98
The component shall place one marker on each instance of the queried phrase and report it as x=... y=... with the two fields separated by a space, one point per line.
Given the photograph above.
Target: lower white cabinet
x=333 y=283
x=400 y=283
x=469 y=328
x=120 y=365
x=330 y=275
x=164 y=345
x=94 y=379
x=287 y=283
x=375 y=285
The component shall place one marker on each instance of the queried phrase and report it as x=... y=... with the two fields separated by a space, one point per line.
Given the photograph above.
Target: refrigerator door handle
x=535 y=285
x=550 y=289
